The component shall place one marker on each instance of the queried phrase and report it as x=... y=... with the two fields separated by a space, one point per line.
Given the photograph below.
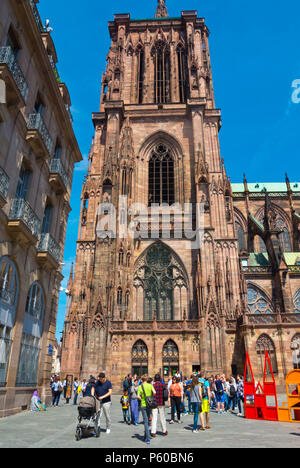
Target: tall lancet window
x=181 y=57
x=161 y=58
x=161 y=176
x=140 y=72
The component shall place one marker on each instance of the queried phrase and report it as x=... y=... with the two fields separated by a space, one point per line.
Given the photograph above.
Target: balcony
x=54 y=68
x=11 y=74
x=4 y=183
x=48 y=252
x=36 y=16
x=23 y=223
x=38 y=136
x=58 y=178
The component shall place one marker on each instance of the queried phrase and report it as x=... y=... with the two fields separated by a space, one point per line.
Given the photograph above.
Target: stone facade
x=155 y=304
x=38 y=150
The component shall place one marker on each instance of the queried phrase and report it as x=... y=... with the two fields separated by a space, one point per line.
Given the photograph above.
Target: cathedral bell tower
x=154 y=303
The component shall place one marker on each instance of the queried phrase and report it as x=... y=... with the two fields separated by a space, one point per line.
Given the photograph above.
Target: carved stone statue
x=161 y=10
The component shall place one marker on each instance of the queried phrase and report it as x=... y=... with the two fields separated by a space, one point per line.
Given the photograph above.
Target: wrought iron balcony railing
x=35 y=122
x=7 y=57
x=4 y=183
x=48 y=244
x=69 y=113
x=54 y=68
x=36 y=15
x=56 y=167
x=20 y=210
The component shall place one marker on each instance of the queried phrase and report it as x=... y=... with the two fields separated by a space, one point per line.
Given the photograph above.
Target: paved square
x=56 y=429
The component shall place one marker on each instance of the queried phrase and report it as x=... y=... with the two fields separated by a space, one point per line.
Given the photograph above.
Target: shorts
x=220 y=398
x=205 y=406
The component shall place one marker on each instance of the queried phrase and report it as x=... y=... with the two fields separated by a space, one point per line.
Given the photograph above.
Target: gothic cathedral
x=152 y=303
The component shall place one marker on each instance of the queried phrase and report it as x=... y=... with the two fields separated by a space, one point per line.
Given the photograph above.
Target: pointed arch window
x=182 y=66
x=161 y=176
x=163 y=284
x=241 y=236
x=139 y=359
x=161 y=58
x=258 y=301
x=120 y=297
x=297 y=302
x=295 y=347
x=140 y=73
x=263 y=344
x=121 y=257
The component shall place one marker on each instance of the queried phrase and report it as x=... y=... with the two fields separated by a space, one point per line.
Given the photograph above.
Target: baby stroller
x=88 y=418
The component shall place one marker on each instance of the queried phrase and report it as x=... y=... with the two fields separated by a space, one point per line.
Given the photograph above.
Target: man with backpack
x=206 y=397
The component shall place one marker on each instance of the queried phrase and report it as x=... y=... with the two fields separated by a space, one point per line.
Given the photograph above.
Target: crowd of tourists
x=197 y=396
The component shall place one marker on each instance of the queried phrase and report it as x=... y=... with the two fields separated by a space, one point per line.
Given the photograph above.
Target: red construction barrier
x=257 y=405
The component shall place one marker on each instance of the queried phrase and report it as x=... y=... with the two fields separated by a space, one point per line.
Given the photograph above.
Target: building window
x=295 y=347
x=23 y=183
x=57 y=152
x=139 y=359
x=161 y=176
x=32 y=333
x=170 y=355
x=120 y=297
x=258 y=302
x=263 y=344
x=121 y=257
x=161 y=58
x=127 y=295
x=163 y=284
x=39 y=105
x=182 y=66
x=8 y=282
x=241 y=237
x=9 y=291
x=140 y=73
x=12 y=42
x=47 y=219
x=297 y=302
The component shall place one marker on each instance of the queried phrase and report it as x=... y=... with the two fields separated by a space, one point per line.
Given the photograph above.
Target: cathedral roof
x=262 y=259
x=263 y=187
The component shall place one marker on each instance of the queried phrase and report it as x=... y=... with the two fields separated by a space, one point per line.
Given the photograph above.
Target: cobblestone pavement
x=56 y=429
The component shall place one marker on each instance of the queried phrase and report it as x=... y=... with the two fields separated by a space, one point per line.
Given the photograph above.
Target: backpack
x=232 y=391
x=204 y=390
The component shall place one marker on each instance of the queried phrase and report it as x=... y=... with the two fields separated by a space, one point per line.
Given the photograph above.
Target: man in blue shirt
x=103 y=389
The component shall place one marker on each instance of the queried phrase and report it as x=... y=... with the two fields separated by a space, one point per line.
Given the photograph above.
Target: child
x=125 y=407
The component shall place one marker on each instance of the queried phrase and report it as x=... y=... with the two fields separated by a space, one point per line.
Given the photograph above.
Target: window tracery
x=163 y=283
x=161 y=176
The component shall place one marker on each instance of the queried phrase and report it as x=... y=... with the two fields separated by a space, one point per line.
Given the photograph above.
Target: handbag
x=150 y=401
x=166 y=394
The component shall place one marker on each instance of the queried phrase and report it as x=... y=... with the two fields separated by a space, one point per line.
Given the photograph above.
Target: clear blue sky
x=255 y=58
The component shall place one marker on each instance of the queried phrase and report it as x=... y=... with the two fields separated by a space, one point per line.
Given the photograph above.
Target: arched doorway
x=170 y=358
x=139 y=359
